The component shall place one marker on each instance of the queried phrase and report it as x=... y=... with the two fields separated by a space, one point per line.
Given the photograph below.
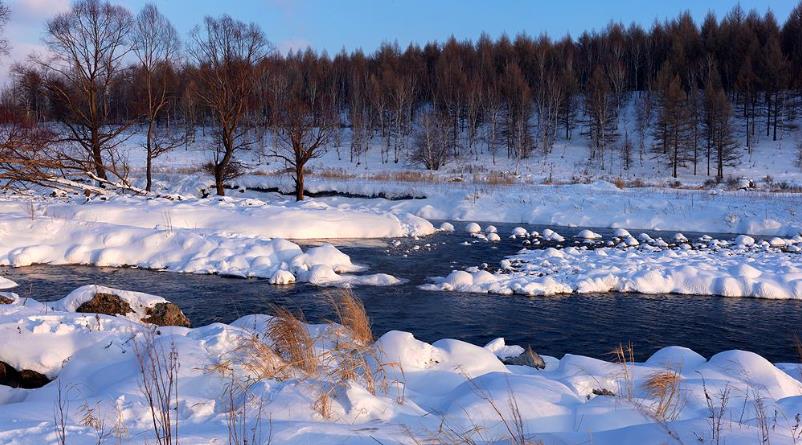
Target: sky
x=335 y=24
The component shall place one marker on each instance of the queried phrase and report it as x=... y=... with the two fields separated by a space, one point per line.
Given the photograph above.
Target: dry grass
x=624 y=355
x=323 y=405
x=496 y=178
x=664 y=387
x=335 y=173
x=352 y=315
x=405 y=176
x=292 y=341
x=261 y=361
x=619 y=182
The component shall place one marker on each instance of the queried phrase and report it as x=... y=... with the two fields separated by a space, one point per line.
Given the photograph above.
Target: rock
x=107 y=304
x=5 y=300
x=166 y=314
x=528 y=358
x=603 y=392
x=25 y=379
x=32 y=379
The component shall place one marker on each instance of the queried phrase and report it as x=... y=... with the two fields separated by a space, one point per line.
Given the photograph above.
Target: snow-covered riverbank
x=238 y=237
x=402 y=390
x=599 y=204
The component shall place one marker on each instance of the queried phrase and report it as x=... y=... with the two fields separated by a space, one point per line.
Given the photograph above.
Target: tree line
x=690 y=94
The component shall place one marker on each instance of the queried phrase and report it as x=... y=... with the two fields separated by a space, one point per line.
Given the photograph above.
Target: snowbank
x=247 y=217
x=742 y=270
x=44 y=240
x=434 y=390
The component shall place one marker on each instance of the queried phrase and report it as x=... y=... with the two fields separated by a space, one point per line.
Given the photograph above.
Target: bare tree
x=88 y=44
x=229 y=55
x=431 y=140
x=156 y=46
x=304 y=116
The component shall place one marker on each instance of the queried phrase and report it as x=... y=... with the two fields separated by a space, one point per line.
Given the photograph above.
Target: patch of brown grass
x=335 y=173
x=498 y=178
x=619 y=182
x=664 y=387
x=292 y=341
x=405 y=176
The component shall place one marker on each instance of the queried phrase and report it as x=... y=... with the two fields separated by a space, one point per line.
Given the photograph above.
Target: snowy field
x=238 y=378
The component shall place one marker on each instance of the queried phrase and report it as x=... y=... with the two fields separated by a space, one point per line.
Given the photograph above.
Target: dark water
x=581 y=324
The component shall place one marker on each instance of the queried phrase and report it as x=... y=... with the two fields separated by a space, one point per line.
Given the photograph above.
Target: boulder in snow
x=25 y=379
x=282 y=277
x=588 y=234
x=106 y=304
x=166 y=314
x=527 y=358
x=744 y=241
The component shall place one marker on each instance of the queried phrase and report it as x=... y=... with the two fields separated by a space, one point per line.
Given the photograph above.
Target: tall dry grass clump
x=292 y=341
x=353 y=316
x=664 y=387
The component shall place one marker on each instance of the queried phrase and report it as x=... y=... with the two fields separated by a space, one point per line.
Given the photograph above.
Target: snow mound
x=5 y=283
x=447 y=227
x=473 y=228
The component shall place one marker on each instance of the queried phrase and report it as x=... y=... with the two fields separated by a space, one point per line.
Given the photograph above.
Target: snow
x=520 y=232
x=447 y=227
x=473 y=228
x=433 y=390
x=249 y=217
x=588 y=235
x=58 y=241
x=742 y=270
x=5 y=283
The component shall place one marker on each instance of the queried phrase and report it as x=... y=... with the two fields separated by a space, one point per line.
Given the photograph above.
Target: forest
x=691 y=94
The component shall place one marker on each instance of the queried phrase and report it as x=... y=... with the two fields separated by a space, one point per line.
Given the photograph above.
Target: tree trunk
x=97 y=157
x=218 y=179
x=299 y=182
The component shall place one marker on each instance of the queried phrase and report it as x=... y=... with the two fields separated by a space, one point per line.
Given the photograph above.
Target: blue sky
x=333 y=24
